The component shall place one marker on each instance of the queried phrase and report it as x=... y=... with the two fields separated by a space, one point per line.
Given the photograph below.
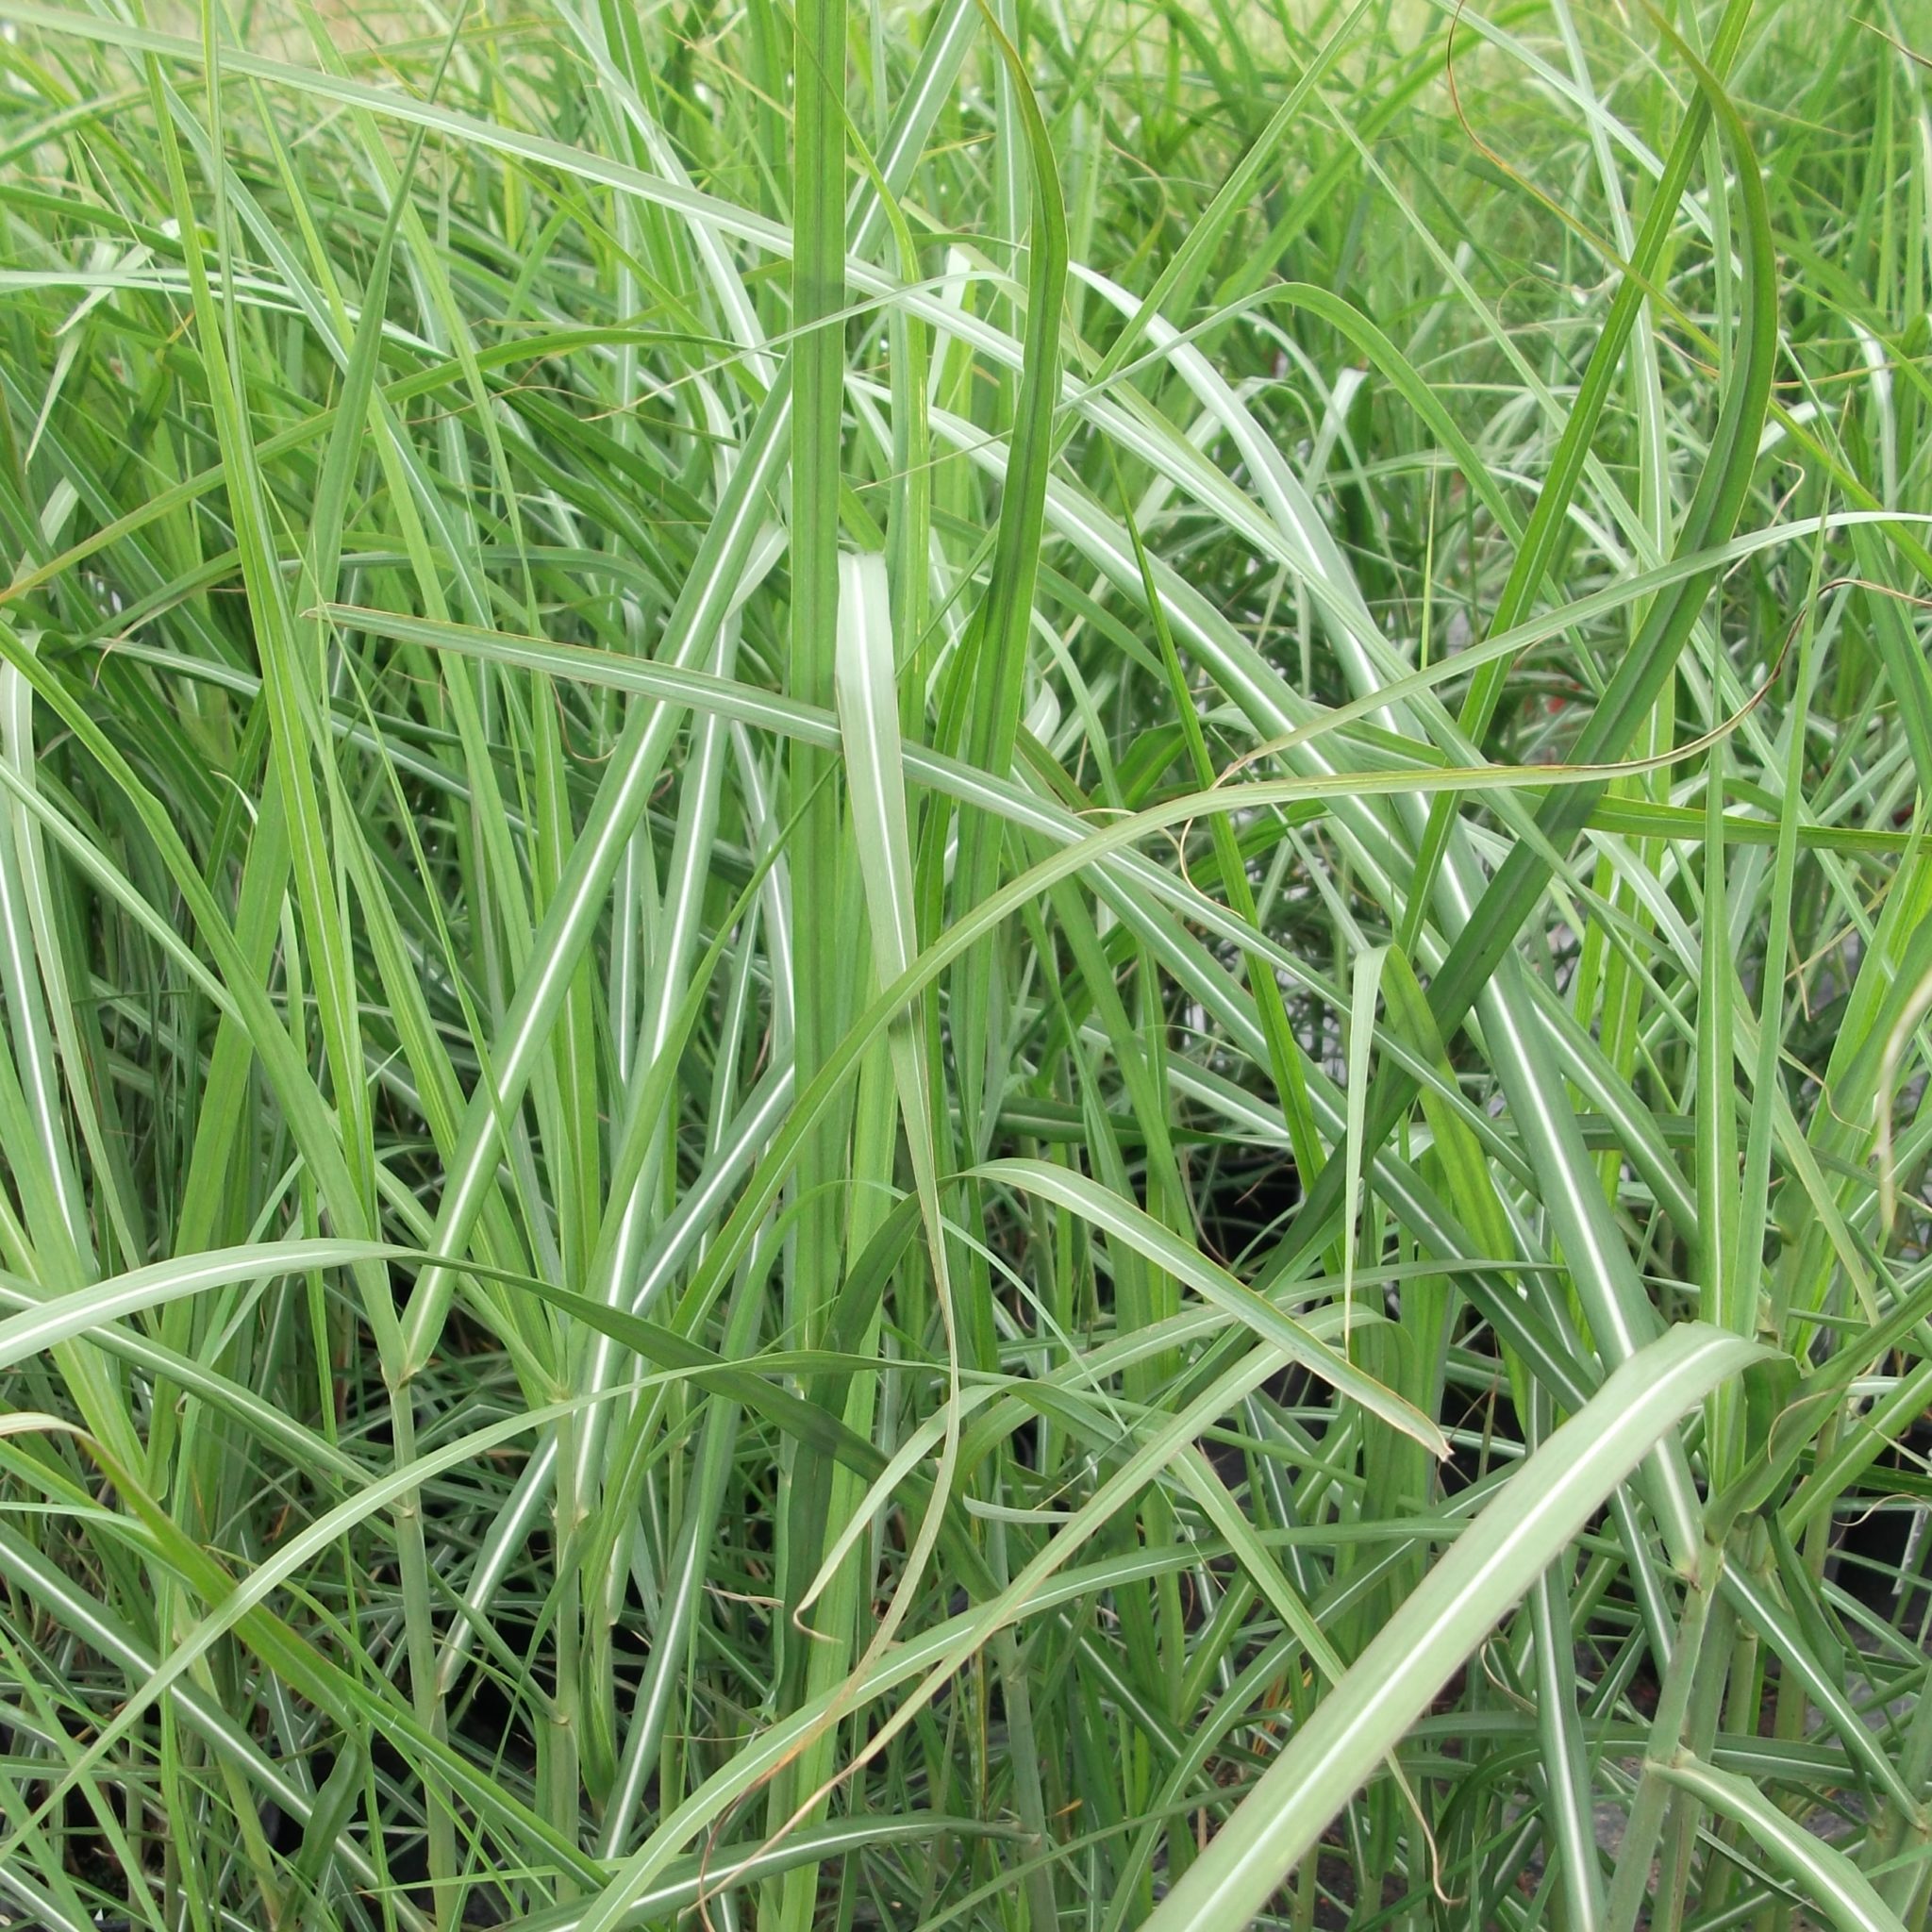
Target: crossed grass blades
x=965 y=966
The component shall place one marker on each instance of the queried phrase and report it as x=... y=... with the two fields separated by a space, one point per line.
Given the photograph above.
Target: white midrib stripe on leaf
x=76 y=1313
x=671 y=971
x=1488 y=1568
x=593 y=861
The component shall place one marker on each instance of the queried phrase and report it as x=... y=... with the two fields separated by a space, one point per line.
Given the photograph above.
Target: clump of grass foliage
x=965 y=965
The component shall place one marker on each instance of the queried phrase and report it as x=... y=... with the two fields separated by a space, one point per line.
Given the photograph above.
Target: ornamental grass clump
x=965 y=966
